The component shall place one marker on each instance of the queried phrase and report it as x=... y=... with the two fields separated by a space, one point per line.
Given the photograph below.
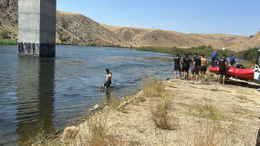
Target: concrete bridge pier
x=37 y=27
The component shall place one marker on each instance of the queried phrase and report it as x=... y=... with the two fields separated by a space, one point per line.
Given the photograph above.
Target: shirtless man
x=108 y=79
x=203 y=67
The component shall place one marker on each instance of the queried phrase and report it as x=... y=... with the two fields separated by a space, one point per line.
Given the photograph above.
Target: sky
x=237 y=17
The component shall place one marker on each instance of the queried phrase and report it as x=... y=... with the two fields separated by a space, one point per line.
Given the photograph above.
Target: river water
x=51 y=93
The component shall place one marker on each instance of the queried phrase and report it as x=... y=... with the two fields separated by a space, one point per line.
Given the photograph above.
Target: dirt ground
x=206 y=113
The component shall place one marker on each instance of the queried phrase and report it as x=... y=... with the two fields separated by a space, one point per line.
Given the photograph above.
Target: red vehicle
x=236 y=72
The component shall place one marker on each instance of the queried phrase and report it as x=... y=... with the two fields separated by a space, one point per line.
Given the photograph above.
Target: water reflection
x=35 y=93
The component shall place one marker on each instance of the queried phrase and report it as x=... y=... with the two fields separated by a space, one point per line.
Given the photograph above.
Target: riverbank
x=8 y=42
x=175 y=112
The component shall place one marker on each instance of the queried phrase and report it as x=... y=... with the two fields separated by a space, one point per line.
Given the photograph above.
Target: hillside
x=8 y=17
x=253 y=42
x=77 y=29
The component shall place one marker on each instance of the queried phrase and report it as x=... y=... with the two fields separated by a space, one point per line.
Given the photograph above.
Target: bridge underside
x=37 y=27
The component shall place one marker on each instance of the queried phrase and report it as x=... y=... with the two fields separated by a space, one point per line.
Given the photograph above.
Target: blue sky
x=238 y=17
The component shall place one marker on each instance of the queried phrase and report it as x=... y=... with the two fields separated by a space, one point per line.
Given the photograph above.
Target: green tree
x=4 y=34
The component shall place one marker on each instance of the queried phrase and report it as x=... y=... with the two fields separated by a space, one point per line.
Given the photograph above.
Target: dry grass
x=138 y=100
x=162 y=115
x=248 y=64
x=99 y=133
x=208 y=132
x=152 y=87
x=209 y=110
x=211 y=128
x=206 y=135
x=116 y=104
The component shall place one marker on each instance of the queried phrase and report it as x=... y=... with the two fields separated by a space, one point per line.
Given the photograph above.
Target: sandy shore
x=206 y=113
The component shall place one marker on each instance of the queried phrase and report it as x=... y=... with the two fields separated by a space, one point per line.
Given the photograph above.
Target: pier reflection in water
x=35 y=92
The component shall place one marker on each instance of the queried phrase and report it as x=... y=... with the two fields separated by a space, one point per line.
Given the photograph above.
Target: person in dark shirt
x=186 y=61
x=196 y=67
x=222 y=63
x=177 y=65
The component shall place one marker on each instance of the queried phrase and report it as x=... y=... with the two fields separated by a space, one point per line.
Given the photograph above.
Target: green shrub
x=249 y=54
x=62 y=39
x=4 y=34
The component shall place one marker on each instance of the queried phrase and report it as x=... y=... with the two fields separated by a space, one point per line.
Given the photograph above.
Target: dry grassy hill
x=74 y=28
x=78 y=29
x=253 y=42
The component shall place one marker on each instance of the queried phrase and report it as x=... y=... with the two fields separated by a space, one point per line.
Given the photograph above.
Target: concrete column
x=37 y=27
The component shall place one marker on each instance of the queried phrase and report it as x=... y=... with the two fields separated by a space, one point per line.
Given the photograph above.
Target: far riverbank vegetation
x=5 y=39
x=8 y=42
x=207 y=50
x=249 y=54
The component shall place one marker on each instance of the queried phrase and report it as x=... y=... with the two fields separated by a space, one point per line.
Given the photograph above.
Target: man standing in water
x=203 y=67
x=108 y=79
x=222 y=63
x=177 y=65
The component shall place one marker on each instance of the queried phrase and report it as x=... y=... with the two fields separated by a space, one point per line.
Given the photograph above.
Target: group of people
x=183 y=65
x=200 y=65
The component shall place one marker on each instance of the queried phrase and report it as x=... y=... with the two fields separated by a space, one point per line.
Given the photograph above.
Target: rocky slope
x=74 y=28
x=8 y=17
